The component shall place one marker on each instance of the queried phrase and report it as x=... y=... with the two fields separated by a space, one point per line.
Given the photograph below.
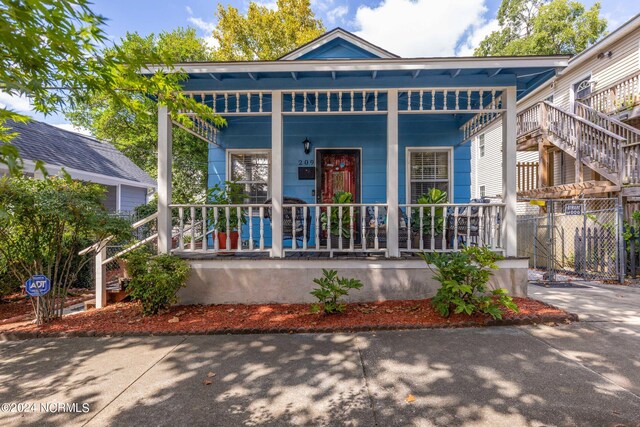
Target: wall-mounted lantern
x=307 y=146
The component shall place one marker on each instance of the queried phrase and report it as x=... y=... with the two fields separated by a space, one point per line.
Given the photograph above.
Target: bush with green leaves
x=330 y=291
x=155 y=279
x=463 y=277
x=44 y=223
x=340 y=198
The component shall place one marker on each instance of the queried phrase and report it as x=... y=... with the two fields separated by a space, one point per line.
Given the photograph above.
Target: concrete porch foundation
x=261 y=281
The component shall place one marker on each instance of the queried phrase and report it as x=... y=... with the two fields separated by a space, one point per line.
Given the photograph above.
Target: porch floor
x=291 y=255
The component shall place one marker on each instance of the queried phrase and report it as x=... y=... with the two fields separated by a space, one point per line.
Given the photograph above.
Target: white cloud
x=337 y=13
x=321 y=4
x=419 y=27
x=72 y=128
x=21 y=104
x=478 y=33
x=269 y=4
x=206 y=27
x=202 y=24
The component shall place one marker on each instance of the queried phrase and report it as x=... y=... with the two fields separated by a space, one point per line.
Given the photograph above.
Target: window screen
x=428 y=169
x=253 y=170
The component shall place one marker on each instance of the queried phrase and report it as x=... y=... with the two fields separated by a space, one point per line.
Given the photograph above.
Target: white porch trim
x=165 y=143
x=277 y=158
x=509 y=173
x=392 y=173
x=389 y=64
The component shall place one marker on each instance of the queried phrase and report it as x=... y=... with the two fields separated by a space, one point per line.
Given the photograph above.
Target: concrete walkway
x=581 y=374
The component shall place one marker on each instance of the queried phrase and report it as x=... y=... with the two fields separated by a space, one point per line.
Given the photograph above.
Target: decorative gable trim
x=335 y=34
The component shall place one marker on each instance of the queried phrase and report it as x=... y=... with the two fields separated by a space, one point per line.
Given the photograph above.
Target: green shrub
x=331 y=289
x=155 y=279
x=464 y=276
x=340 y=198
x=44 y=223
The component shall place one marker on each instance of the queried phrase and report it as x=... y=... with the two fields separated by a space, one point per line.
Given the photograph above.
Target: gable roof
x=55 y=146
x=343 y=37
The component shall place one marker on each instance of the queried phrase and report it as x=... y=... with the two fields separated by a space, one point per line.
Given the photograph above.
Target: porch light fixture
x=307 y=146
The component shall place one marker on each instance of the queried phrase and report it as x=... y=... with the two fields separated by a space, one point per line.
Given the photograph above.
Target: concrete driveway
x=581 y=374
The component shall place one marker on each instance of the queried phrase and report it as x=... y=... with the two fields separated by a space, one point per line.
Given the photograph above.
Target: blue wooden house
x=341 y=115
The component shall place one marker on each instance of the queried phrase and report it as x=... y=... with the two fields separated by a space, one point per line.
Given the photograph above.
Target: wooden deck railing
x=630 y=174
x=623 y=94
x=601 y=148
x=527 y=176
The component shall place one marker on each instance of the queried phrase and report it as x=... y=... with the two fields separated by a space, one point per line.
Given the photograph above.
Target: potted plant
x=227 y=193
x=434 y=196
x=336 y=232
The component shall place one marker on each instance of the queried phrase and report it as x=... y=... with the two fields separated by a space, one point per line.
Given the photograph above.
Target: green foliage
x=435 y=196
x=340 y=198
x=50 y=53
x=155 y=279
x=135 y=131
x=632 y=227
x=543 y=27
x=44 y=223
x=463 y=277
x=330 y=291
x=264 y=33
x=229 y=193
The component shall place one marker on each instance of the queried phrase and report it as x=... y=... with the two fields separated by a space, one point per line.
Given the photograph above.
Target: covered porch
x=292 y=151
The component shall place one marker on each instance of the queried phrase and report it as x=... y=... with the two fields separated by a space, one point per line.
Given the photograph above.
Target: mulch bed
x=18 y=307
x=126 y=319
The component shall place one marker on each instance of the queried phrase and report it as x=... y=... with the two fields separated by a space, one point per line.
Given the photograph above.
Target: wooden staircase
x=597 y=141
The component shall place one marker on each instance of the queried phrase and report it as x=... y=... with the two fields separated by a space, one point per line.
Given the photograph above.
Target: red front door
x=339 y=170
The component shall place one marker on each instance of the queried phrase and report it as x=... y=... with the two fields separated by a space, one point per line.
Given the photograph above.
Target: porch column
x=276 y=174
x=165 y=142
x=392 y=173
x=509 y=173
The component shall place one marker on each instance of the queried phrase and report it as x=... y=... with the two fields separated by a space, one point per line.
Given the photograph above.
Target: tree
x=264 y=34
x=50 y=51
x=44 y=224
x=543 y=27
x=135 y=132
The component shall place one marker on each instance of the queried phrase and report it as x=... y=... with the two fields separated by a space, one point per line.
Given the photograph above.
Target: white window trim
x=231 y=151
x=482 y=145
x=572 y=89
x=407 y=165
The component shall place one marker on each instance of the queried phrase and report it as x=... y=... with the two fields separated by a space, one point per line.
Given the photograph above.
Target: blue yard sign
x=38 y=285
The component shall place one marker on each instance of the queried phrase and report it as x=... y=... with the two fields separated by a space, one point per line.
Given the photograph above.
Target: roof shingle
x=55 y=146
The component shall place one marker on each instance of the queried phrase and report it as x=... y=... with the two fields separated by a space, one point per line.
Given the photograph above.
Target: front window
x=481 y=145
x=427 y=170
x=253 y=170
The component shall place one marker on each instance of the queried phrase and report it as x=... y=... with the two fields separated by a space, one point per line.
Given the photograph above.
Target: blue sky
x=408 y=28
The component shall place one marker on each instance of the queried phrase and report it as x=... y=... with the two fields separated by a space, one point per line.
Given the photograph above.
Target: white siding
x=624 y=61
x=131 y=197
x=487 y=170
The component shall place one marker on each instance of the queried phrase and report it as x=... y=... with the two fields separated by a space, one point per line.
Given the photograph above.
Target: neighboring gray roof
x=55 y=146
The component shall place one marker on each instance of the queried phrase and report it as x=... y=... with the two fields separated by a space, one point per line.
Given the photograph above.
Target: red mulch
x=16 y=307
x=126 y=319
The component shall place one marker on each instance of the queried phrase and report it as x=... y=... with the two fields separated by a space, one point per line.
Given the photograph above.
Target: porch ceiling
x=527 y=73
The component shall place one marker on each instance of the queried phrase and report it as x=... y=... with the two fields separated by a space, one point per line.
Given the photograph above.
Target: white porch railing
x=202 y=228
x=449 y=227
x=332 y=228
x=322 y=227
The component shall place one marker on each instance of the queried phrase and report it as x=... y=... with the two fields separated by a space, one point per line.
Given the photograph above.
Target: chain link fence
x=576 y=237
